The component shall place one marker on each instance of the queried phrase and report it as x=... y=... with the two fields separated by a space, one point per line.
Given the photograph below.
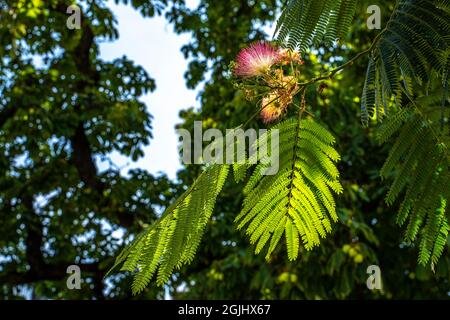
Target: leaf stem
x=297 y=135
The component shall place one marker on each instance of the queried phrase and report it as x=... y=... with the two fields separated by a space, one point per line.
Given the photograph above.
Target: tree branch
x=83 y=161
x=7 y=114
x=39 y=269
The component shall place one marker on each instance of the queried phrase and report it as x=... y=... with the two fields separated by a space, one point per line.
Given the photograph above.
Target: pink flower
x=276 y=102
x=286 y=56
x=272 y=108
x=255 y=60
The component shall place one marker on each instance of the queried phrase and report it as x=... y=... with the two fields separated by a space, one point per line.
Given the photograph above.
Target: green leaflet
x=413 y=44
x=419 y=163
x=298 y=201
x=368 y=95
x=172 y=241
x=306 y=23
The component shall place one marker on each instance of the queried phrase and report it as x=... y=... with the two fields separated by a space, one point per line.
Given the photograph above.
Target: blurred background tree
x=56 y=117
x=61 y=108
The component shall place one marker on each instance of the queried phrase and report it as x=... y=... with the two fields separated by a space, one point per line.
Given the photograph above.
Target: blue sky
x=152 y=44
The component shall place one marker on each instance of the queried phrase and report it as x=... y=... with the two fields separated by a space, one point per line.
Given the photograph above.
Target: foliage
x=413 y=45
x=42 y=129
x=278 y=204
x=297 y=200
x=420 y=157
x=173 y=240
x=307 y=23
x=62 y=111
x=225 y=267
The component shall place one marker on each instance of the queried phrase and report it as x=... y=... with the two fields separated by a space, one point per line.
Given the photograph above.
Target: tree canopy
x=62 y=113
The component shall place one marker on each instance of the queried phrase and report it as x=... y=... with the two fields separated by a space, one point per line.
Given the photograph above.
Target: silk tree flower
x=279 y=80
x=271 y=108
x=255 y=60
x=286 y=56
x=277 y=101
x=275 y=104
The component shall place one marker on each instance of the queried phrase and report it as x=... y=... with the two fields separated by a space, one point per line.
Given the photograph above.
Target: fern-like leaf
x=172 y=241
x=297 y=201
x=419 y=162
x=306 y=23
x=413 y=45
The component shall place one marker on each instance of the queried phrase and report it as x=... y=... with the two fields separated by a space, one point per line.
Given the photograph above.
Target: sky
x=152 y=44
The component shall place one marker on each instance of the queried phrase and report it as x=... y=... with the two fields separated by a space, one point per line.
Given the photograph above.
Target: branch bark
x=38 y=268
